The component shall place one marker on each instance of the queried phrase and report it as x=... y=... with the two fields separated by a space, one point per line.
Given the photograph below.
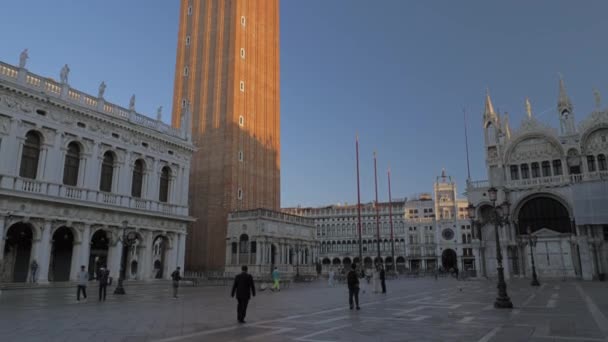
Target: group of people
x=375 y=278
x=378 y=278
x=103 y=278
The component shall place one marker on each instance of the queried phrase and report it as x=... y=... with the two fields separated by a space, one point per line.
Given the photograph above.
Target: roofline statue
x=23 y=58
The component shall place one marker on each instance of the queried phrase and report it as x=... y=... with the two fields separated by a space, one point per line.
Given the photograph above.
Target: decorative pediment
x=532 y=125
x=533 y=148
x=596 y=119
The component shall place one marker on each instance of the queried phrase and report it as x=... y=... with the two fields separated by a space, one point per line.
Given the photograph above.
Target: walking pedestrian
x=352 y=279
x=383 y=279
x=244 y=288
x=83 y=279
x=376 y=279
x=276 y=280
x=103 y=278
x=330 y=278
x=176 y=278
x=34 y=267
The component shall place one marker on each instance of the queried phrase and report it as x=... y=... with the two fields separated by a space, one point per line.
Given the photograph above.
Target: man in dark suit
x=243 y=288
x=352 y=279
x=383 y=279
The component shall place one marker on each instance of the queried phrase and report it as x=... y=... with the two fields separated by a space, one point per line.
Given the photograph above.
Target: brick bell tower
x=227 y=71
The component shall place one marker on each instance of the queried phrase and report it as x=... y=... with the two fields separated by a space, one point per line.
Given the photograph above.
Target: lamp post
x=127 y=240
x=532 y=239
x=500 y=216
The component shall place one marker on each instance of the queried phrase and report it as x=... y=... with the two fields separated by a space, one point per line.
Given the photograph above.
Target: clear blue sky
x=397 y=72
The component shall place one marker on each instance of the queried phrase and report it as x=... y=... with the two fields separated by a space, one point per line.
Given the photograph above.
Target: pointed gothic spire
x=528 y=108
x=489 y=108
x=564 y=100
x=507 y=126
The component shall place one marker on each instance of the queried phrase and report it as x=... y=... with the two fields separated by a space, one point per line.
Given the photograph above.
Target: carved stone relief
x=534 y=149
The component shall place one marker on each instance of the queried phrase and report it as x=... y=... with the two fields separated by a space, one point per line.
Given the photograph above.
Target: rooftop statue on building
x=102 y=90
x=159 y=113
x=132 y=103
x=598 y=98
x=23 y=58
x=63 y=75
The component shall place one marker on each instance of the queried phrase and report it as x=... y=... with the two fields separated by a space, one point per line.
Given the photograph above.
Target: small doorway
x=449 y=260
x=61 y=254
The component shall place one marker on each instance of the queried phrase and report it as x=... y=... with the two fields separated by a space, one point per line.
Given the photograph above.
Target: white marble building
x=427 y=234
x=557 y=185
x=77 y=174
x=263 y=239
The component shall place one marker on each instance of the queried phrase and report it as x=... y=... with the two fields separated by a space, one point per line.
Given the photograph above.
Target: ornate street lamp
x=532 y=240
x=500 y=216
x=127 y=239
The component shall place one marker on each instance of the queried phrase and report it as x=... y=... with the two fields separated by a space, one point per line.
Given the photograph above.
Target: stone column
x=182 y=251
x=3 y=220
x=115 y=257
x=85 y=246
x=228 y=260
x=238 y=252
x=147 y=255
x=41 y=249
x=173 y=256
x=477 y=256
x=184 y=189
x=93 y=169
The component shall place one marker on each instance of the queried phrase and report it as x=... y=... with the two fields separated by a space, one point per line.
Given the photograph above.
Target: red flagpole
x=377 y=208
x=390 y=214
x=359 y=205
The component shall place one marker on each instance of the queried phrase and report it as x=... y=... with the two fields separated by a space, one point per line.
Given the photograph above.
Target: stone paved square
x=414 y=309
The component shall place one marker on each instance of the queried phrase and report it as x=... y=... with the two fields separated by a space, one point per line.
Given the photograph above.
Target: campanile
x=227 y=72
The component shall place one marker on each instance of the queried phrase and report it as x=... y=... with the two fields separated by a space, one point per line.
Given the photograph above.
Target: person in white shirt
x=83 y=279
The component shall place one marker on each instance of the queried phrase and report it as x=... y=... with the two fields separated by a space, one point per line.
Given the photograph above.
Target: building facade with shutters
x=556 y=182
x=78 y=173
x=429 y=232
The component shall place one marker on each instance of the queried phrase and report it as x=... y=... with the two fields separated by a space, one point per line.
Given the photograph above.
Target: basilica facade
x=87 y=182
x=555 y=183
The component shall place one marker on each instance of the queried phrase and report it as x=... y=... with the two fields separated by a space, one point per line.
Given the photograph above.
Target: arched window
x=591 y=163
x=546 y=166
x=244 y=244
x=138 y=178
x=535 y=170
x=514 y=172
x=163 y=194
x=601 y=162
x=30 y=156
x=525 y=171
x=71 y=165
x=107 y=171
x=557 y=167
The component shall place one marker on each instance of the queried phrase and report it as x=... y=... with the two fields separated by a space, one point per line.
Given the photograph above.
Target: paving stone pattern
x=413 y=310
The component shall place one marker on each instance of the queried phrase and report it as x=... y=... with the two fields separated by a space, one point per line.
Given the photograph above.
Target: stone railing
x=480 y=184
x=420 y=220
x=61 y=191
x=255 y=213
x=61 y=91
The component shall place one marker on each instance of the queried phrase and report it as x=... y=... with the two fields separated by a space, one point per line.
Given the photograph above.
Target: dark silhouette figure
x=383 y=279
x=103 y=278
x=243 y=288
x=352 y=279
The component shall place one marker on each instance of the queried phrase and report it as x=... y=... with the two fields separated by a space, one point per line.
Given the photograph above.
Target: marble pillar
x=2 y=236
x=42 y=253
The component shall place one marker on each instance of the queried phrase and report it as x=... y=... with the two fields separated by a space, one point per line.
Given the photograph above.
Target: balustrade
x=52 y=88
